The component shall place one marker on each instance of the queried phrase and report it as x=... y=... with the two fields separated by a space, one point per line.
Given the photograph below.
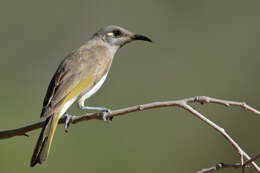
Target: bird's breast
x=89 y=92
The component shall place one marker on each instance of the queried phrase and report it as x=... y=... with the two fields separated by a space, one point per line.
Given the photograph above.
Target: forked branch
x=245 y=159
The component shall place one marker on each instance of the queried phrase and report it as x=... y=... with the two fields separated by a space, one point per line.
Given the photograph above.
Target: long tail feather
x=43 y=144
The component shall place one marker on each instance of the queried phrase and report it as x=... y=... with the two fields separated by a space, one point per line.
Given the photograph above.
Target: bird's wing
x=68 y=75
x=76 y=74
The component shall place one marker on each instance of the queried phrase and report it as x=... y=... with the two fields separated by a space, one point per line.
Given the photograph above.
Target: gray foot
x=68 y=119
x=104 y=114
x=93 y=108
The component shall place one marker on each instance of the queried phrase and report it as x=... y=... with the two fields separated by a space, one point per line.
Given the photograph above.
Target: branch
x=251 y=160
x=219 y=166
x=225 y=165
x=183 y=103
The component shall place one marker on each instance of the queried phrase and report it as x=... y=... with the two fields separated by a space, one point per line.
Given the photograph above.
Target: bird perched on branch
x=78 y=77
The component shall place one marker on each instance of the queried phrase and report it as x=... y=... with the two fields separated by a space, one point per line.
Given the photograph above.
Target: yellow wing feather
x=82 y=87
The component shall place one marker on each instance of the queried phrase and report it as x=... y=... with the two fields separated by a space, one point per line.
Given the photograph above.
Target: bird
x=80 y=74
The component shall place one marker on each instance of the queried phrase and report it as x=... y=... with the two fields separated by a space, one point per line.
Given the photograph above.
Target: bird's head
x=117 y=36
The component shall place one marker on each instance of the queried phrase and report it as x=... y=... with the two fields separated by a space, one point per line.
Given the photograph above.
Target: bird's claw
x=104 y=114
x=68 y=119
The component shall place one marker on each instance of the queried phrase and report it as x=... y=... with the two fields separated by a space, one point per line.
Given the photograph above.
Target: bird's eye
x=117 y=33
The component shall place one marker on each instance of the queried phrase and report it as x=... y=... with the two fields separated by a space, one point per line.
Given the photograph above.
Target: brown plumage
x=76 y=79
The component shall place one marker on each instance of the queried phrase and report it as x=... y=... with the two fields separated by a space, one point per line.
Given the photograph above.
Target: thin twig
x=250 y=161
x=205 y=99
x=219 y=166
x=226 y=165
x=183 y=103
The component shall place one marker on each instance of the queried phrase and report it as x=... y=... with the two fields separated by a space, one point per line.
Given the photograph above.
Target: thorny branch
x=245 y=159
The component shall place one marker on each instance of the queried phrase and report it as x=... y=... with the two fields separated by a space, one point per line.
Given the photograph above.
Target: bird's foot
x=104 y=114
x=68 y=119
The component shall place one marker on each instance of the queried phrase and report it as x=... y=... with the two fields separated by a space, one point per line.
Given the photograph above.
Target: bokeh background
x=200 y=48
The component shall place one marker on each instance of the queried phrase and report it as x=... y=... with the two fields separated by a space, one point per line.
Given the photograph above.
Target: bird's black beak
x=141 y=37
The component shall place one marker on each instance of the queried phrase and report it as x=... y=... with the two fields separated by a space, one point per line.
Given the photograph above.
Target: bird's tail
x=43 y=145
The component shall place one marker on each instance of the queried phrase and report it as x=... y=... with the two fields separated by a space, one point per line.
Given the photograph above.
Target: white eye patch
x=110 y=34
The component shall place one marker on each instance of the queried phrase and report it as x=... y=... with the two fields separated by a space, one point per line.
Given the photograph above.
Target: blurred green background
x=200 y=48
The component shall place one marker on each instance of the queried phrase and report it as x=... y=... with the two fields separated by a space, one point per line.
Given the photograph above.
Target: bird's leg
x=68 y=119
x=103 y=111
x=104 y=114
